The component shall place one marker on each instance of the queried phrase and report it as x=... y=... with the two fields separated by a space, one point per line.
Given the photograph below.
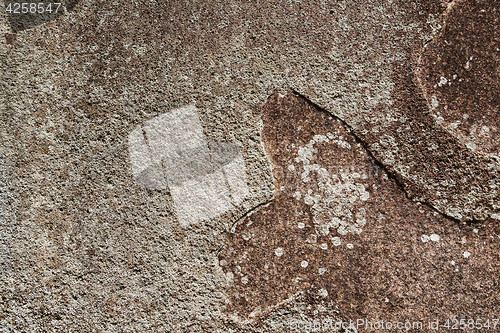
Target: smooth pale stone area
x=152 y=178
x=228 y=156
x=175 y=132
x=223 y=153
x=197 y=201
x=237 y=179
x=187 y=165
x=146 y=173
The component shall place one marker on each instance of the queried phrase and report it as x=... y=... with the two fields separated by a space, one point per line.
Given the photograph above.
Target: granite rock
x=90 y=245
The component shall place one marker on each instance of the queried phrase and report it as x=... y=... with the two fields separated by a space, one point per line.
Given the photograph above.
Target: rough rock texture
x=87 y=248
x=341 y=230
x=458 y=73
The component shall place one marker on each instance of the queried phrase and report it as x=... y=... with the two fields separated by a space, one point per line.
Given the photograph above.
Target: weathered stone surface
x=460 y=74
x=90 y=245
x=342 y=231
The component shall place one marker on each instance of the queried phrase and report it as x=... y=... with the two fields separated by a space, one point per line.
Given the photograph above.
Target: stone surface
x=92 y=237
x=227 y=60
x=341 y=230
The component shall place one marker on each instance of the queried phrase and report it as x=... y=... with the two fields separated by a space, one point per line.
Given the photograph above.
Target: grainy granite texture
x=86 y=249
x=341 y=230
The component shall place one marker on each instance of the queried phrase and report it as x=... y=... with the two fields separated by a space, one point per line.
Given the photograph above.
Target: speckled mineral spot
x=322 y=293
x=336 y=195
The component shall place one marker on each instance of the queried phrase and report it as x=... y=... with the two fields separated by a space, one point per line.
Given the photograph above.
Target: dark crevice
x=391 y=174
x=238 y=220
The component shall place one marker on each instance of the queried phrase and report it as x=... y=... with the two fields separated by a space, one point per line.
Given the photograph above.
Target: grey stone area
x=176 y=155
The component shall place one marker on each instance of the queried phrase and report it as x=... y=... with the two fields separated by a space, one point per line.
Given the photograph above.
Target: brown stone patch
x=460 y=74
x=428 y=161
x=10 y=38
x=388 y=272
x=20 y=20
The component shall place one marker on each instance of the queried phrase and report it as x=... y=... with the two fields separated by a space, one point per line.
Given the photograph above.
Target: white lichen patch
x=442 y=81
x=321 y=271
x=278 y=251
x=322 y=293
x=434 y=102
x=229 y=277
x=387 y=148
x=304 y=264
x=434 y=238
x=466 y=254
x=333 y=197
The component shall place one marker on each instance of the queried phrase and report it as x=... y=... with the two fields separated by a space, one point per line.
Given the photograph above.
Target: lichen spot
x=434 y=102
x=434 y=238
x=322 y=293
